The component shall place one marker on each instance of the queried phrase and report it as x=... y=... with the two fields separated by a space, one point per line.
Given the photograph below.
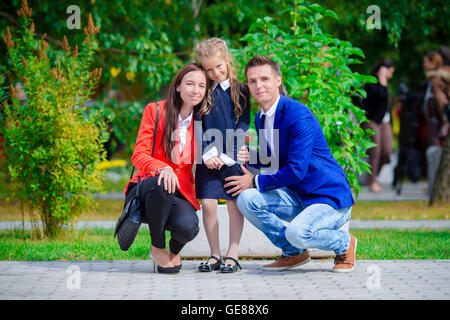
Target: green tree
x=441 y=188
x=51 y=150
x=316 y=70
x=141 y=45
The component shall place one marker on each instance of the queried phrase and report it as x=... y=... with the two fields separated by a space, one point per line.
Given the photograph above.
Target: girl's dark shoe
x=228 y=268
x=207 y=267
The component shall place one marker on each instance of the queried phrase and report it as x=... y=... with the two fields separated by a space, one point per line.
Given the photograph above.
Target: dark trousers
x=166 y=211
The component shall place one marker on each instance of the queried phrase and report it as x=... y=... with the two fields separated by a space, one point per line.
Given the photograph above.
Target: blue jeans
x=313 y=226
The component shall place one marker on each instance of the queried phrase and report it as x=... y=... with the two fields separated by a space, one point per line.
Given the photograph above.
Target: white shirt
x=269 y=122
x=224 y=84
x=268 y=128
x=183 y=126
x=213 y=151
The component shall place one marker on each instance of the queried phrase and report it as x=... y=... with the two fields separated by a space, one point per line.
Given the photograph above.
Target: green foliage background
x=143 y=43
x=152 y=38
x=316 y=70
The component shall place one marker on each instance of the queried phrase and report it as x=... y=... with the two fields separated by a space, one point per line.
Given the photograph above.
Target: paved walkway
x=371 y=279
x=410 y=192
x=354 y=224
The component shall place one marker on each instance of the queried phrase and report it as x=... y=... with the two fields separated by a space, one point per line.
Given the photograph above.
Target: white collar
x=186 y=121
x=224 y=84
x=271 y=110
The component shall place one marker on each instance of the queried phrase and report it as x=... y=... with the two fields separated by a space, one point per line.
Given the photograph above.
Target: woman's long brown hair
x=174 y=104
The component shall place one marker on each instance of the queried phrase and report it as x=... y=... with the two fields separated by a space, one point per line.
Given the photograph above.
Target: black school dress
x=209 y=183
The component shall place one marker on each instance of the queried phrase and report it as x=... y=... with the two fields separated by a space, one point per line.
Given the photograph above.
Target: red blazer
x=146 y=164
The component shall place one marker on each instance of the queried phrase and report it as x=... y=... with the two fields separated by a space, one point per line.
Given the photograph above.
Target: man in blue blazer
x=301 y=182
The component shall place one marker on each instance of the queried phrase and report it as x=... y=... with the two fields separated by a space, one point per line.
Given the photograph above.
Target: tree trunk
x=196 y=5
x=48 y=220
x=441 y=187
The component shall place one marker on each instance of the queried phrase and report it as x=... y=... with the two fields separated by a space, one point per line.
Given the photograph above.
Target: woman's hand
x=214 y=163
x=170 y=179
x=243 y=154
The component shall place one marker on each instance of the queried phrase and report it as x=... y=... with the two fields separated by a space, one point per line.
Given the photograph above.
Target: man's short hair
x=264 y=60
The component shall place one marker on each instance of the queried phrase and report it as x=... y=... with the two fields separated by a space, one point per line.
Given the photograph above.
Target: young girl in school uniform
x=227 y=115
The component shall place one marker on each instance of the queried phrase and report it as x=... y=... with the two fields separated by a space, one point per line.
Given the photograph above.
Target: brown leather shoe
x=285 y=262
x=346 y=262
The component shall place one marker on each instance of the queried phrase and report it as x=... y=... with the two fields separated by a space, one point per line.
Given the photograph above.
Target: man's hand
x=240 y=183
x=170 y=179
x=214 y=163
x=243 y=155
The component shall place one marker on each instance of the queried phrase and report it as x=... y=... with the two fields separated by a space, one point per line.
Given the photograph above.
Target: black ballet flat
x=228 y=268
x=207 y=267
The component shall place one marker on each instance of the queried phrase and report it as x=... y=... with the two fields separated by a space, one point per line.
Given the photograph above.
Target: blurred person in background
x=436 y=107
x=378 y=105
x=444 y=51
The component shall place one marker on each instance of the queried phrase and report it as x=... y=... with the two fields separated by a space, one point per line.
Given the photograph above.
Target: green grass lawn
x=87 y=244
x=402 y=244
x=99 y=244
x=401 y=210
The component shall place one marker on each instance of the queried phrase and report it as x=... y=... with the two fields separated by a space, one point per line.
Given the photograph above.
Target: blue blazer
x=306 y=164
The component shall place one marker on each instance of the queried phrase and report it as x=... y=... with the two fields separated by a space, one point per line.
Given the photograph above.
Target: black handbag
x=130 y=220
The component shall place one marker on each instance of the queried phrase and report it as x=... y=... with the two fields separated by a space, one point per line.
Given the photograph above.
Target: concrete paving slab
x=371 y=279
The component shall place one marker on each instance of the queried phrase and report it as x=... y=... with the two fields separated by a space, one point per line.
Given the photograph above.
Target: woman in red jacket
x=167 y=193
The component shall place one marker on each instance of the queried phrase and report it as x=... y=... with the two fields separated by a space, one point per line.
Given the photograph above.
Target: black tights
x=166 y=211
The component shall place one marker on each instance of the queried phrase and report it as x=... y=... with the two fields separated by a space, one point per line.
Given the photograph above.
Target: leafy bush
x=123 y=121
x=316 y=71
x=51 y=150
